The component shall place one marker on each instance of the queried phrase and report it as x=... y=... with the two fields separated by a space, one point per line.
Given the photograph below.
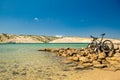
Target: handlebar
x=95 y=38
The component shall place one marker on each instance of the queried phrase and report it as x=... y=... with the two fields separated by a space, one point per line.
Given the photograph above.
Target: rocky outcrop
x=10 y=38
x=84 y=58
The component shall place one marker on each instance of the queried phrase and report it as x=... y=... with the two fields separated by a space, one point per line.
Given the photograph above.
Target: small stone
x=84 y=59
x=15 y=73
x=117 y=55
x=93 y=57
x=100 y=65
x=61 y=51
x=69 y=52
x=87 y=65
x=2 y=70
x=68 y=61
x=54 y=50
x=113 y=59
x=95 y=62
x=102 y=55
x=113 y=62
x=75 y=58
x=79 y=67
x=64 y=55
x=104 y=62
x=23 y=73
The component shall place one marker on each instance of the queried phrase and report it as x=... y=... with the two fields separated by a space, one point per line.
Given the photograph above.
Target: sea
x=31 y=47
x=22 y=61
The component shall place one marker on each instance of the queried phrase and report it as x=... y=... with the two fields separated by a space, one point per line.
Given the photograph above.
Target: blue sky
x=61 y=17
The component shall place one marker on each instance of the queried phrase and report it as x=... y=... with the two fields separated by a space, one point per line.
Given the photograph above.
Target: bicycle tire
x=107 y=46
x=92 y=45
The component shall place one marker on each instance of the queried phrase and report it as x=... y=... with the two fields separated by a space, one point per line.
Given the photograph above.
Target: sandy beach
x=34 y=69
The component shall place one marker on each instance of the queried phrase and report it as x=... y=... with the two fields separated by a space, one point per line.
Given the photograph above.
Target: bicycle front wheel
x=92 y=45
x=107 y=46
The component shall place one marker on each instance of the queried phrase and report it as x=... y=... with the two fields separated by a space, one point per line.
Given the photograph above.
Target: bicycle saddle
x=103 y=34
x=93 y=37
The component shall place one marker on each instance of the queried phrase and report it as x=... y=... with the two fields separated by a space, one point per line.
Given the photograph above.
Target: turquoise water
x=33 y=47
x=17 y=59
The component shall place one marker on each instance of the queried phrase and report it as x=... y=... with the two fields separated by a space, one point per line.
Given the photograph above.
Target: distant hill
x=10 y=38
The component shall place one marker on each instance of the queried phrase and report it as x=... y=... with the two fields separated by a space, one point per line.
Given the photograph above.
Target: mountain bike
x=100 y=45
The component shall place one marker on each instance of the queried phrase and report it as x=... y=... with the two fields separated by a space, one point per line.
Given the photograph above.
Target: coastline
x=26 y=63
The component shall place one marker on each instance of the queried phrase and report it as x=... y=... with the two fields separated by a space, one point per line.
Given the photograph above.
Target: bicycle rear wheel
x=107 y=46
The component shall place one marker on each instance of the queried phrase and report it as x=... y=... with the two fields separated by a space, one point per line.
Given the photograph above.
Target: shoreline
x=26 y=63
x=85 y=58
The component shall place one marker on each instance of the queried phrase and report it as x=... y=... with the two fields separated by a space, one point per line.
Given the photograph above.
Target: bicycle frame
x=98 y=44
x=102 y=38
x=95 y=39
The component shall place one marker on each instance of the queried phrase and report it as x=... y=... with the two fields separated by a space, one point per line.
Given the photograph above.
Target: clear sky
x=61 y=17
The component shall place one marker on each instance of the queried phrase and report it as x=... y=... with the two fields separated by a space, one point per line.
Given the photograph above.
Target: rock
x=2 y=70
x=105 y=62
x=84 y=59
x=113 y=62
x=95 y=62
x=72 y=64
x=15 y=65
x=23 y=73
x=100 y=65
x=45 y=49
x=75 y=58
x=117 y=51
x=78 y=52
x=82 y=49
x=69 y=52
x=61 y=51
x=116 y=47
x=113 y=59
x=15 y=73
x=102 y=55
x=41 y=50
x=64 y=55
x=54 y=50
x=110 y=68
x=82 y=53
x=87 y=58
x=93 y=57
x=79 y=67
x=68 y=61
x=117 y=55
x=87 y=65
